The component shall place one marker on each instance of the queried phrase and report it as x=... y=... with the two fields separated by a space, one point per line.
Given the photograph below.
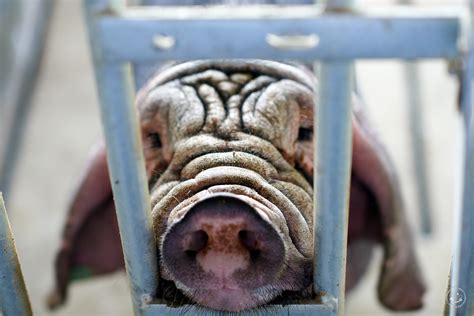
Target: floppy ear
x=401 y=286
x=90 y=241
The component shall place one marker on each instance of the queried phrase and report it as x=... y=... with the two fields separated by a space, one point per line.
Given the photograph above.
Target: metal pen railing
x=13 y=295
x=460 y=298
x=23 y=31
x=338 y=36
x=335 y=35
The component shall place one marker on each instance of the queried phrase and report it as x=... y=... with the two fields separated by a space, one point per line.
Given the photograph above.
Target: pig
x=228 y=147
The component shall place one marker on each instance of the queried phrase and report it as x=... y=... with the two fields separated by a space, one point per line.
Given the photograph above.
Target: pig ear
x=400 y=284
x=90 y=242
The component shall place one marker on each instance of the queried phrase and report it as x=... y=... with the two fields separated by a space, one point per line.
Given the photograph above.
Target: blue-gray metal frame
x=418 y=148
x=338 y=36
x=129 y=184
x=122 y=37
x=13 y=295
x=333 y=122
x=460 y=298
x=23 y=28
x=417 y=142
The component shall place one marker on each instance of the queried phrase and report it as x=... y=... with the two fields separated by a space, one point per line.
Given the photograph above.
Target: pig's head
x=232 y=209
x=228 y=147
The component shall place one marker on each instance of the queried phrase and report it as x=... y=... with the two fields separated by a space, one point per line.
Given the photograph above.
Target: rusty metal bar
x=13 y=295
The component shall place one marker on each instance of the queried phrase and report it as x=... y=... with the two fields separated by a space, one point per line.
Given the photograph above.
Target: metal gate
x=123 y=37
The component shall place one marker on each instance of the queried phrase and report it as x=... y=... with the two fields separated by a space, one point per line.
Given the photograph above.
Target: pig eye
x=155 y=140
x=305 y=134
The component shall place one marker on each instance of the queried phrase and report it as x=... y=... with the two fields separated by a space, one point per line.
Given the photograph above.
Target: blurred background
x=63 y=122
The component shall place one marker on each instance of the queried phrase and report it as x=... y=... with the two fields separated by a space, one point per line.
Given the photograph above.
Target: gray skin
x=228 y=147
x=232 y=129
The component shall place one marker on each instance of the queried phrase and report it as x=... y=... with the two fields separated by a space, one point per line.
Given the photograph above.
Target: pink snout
x=223 y=244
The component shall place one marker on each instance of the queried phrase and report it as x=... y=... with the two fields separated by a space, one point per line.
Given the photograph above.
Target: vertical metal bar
x=20 y=57
x=13 y=295
x=126 y=167
x=467 y=245
x=333 y=121
x=412 y=81
x=460 y=300
x=461 y=296
x=129 y=184
x=412 y=84
x=332 y=161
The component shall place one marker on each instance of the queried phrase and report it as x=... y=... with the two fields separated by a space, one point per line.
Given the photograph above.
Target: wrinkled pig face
x=226 y=146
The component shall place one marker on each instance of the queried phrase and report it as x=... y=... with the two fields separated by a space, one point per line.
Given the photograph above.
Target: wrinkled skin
x=228 y=151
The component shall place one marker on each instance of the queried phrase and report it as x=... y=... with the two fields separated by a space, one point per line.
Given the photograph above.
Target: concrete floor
x=65 y=122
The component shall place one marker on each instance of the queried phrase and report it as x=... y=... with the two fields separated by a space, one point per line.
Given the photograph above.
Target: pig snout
x=223 y=246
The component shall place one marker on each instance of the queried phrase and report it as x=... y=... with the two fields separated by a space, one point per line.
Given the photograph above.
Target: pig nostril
x=191 y=253
x=196 y=242
x=249 y=240
x=254 y=255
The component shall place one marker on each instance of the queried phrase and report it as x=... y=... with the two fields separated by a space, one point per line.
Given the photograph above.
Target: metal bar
x=266 y=12
x=420 y=163
x=135 y=39
x=127 y=173
x=212 y=2
x=466 y=269
x=332 y=176
x=412 y=80
x=332 y=161
x=126 y=166
x=274 y=310
x=460 y=299
x=20 y=60
x=461 y=295
x=13 y=295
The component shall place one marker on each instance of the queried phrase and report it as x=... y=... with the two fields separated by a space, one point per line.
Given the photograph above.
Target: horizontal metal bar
x=213 y=12
x=13 y=295
x=274 y=310
x=339 y=37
